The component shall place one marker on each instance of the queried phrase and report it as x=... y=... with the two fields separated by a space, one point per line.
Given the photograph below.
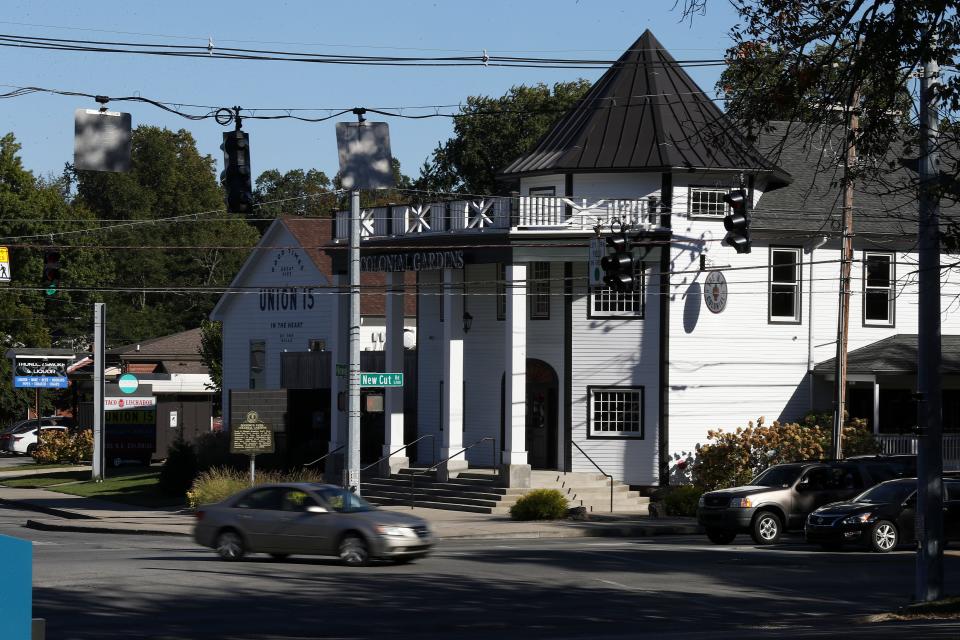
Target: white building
x=514 y=345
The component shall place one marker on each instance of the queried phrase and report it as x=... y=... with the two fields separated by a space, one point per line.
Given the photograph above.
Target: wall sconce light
x=467 y=322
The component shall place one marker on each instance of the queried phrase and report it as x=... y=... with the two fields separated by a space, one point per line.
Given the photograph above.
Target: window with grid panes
x=604 y=301
x=616 y=412
x=539 y=291
x=703 y=201
x=878 y=293
x=784 y=303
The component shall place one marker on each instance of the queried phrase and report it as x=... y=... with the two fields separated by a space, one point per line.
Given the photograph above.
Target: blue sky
x=43 y=123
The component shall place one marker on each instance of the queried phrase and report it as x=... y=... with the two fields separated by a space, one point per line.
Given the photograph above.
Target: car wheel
x=766 y=528
x=719 y=536
x=883 y=537
x=31 y=448
x=230 y=546
x=354 y=551
x=279 y=556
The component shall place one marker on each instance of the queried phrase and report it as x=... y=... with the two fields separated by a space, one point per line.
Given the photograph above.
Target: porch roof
x=895 y=355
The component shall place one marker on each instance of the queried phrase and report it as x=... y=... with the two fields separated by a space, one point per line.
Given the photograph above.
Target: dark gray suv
x=780 y=498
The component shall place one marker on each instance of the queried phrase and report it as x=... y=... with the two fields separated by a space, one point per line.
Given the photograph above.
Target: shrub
x=179 y=469
x=63 y=447
x=540 y=504
x=213 y=450
x=682 y=501
x=220 y=483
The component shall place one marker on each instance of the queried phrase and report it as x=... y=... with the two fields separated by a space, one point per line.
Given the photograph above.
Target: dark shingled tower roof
x=644 y=114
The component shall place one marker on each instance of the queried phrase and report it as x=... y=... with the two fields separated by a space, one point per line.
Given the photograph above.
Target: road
x=115 y=586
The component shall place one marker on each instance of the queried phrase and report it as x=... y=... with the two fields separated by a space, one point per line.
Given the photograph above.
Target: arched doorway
x=541 y=401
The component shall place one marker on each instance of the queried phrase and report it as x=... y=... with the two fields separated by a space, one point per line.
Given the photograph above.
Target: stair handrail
x=413 y=498
x=325 y=456
x=409 y=444
x=602 y=472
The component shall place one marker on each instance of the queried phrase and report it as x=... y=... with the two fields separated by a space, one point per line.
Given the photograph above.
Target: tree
x=296 y=192
x=165 y=274
x=211 y=351
x=491 y=132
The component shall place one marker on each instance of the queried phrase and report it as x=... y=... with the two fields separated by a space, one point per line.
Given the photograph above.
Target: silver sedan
x=310 y=519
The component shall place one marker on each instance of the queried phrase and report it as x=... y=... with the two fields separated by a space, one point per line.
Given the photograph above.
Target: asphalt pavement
x=122 y=586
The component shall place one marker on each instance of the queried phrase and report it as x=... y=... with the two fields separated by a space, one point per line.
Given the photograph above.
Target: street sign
x=343 y=370
x=39 y=373
x=4 y=264
x=128 y=383
x=252 y=436
x=381 y=379
x=598 y=249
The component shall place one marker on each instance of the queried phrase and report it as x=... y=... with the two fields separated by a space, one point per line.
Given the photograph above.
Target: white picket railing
x=907 y=444
x=501 y=213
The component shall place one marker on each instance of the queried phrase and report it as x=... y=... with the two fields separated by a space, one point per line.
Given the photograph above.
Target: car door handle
x=244 y=516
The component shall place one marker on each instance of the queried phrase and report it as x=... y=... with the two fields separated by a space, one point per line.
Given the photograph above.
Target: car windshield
x=344 y=501
x=887 y=493
x=777 y=476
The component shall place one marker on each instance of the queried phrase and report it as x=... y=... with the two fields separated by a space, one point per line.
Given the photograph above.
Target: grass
x=136 y=487
x=28 y=463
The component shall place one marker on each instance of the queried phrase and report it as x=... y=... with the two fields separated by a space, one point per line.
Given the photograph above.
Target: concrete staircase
x=476 y=491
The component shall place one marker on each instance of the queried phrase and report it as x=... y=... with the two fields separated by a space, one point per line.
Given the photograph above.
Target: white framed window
x=784 y=293
x=707 y=202
x=538 y=298
x=258 y=363
x=879 y=297
x=607 y=303
x=615 y=412
x=501 y=291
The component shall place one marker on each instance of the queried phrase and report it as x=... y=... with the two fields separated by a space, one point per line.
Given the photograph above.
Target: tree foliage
x=211 y=351
x=489 y=133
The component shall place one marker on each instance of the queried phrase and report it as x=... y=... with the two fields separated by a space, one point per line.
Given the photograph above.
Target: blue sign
x=16 y=588
x=128 y=383
x=39 y=373
x=39 y=382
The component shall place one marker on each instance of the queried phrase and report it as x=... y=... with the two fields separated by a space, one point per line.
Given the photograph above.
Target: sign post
x=250 y=437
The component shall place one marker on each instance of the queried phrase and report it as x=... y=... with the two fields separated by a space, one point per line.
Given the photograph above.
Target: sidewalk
x=62 y=512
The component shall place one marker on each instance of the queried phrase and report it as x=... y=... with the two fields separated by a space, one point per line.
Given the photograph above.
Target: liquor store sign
x=252 y=436
x=40 y=373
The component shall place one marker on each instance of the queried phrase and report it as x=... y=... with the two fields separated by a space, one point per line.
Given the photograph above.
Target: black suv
x=781 y=497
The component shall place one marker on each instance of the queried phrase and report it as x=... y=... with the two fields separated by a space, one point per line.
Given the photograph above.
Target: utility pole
x=98 y=366
x=846 y=262
x=929 y=574
x=352 y=471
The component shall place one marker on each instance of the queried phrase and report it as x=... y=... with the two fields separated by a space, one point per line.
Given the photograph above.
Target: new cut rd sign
x=381 y=379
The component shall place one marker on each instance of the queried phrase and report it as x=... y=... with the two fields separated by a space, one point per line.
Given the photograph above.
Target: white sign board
x=598 y=250
x=364 y=150
x=120 y=404
x=173 y=419
x=101 y=140
x=4 y=264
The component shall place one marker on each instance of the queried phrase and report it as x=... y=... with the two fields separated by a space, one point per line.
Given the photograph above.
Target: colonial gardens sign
x=413 y=261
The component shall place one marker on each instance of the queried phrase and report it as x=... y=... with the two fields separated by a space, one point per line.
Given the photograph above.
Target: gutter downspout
x=811 y=245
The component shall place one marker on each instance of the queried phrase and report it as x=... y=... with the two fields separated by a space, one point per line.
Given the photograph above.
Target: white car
x=23 y=439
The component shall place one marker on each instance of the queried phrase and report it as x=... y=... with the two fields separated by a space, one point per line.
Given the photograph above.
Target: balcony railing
x=501 y=213
x=907 y=444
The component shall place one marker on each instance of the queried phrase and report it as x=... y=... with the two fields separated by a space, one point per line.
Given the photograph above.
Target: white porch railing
x=907 y=444
x=503 y=213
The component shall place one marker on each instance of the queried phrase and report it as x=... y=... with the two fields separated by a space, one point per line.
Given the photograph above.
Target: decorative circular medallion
x=715 y=291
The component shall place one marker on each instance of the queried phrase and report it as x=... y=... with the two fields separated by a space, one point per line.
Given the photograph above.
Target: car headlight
x=403 y=532
x=741 y=503
x=701 y=502
x=860 y=518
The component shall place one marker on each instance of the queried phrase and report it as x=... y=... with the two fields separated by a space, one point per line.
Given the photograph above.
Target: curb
x=79 y=528
x=50 y=511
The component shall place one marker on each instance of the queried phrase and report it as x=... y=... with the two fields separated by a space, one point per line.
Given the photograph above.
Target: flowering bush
x=57 y=446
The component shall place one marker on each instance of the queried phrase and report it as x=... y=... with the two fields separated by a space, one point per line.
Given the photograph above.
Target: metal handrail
x=428 y=435
x=602 y=472
x=324 y=457
x=413 y=476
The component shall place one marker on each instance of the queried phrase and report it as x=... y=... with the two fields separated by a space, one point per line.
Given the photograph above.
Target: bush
x=179 y=469
x=682 y=501
x=60 y=447
x=220 y=483
x=213 y=450
x=540 y=504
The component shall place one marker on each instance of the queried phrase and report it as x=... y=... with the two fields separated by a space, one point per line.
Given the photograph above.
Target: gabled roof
x=896 y=355
x=182 y=346
x=644 y=114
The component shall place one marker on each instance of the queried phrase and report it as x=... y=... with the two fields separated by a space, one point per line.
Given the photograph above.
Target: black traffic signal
x=737 y=222
x=236 y=179
x=51 y=271
x=618 y=263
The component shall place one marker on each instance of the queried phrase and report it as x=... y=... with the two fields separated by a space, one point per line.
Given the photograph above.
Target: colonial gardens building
x=512 y=343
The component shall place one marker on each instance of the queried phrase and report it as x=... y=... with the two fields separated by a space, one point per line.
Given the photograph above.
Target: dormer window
x=707 y=202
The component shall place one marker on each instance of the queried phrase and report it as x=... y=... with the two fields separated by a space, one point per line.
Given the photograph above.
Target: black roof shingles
x=644 y=114
x=895 y=355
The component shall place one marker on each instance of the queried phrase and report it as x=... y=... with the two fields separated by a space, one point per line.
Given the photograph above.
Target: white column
x=515 y=470
x=339 y=323
x=876 y=405
x=451 y=419
x=393 y=354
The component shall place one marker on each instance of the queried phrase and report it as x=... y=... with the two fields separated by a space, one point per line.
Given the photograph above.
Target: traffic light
x=618 y=263
x=737 y=223
x=235 y=177
x=51 y=271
